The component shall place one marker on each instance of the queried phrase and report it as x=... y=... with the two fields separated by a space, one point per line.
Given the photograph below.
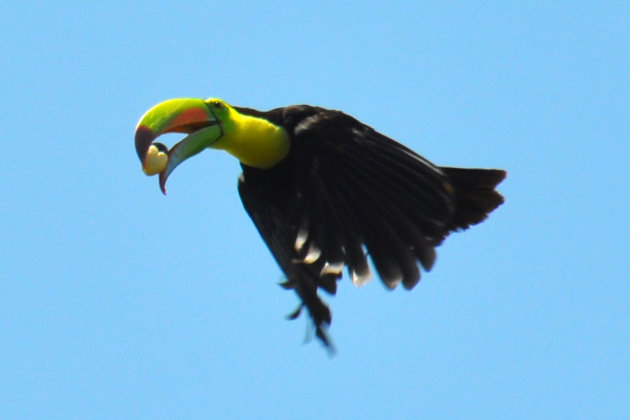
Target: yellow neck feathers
x=254 y=141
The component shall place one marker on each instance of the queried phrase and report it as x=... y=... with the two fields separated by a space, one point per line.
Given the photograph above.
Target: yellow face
x=253 y=141
x=220 y=109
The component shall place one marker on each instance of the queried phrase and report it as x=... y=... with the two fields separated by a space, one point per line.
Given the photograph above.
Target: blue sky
x=118 y=302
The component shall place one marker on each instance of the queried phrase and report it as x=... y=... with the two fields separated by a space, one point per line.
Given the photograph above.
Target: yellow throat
x=253 y=141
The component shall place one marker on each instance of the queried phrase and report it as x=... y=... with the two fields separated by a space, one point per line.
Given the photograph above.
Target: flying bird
x=325 y=191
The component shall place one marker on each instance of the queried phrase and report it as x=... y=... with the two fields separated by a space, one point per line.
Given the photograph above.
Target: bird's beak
x=190 y=116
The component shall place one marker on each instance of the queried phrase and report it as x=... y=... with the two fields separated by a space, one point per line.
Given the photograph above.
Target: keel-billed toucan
x=326 y=191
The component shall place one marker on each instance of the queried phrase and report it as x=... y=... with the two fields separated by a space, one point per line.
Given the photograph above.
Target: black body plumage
x=345 y=192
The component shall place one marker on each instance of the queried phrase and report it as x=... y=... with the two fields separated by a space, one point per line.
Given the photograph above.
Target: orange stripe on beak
x=189 y=116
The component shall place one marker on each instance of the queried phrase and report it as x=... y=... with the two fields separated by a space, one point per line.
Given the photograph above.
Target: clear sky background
x=118 y=302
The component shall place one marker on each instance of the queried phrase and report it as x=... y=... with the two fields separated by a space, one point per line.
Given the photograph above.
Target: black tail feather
x=475 y=194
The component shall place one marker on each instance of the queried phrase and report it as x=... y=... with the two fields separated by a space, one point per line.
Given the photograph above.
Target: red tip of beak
x=163 y=177
x=144 y=138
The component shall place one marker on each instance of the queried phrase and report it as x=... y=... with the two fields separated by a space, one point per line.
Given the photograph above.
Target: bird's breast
x=255 y=142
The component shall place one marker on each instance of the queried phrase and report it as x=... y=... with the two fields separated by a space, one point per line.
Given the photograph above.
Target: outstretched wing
x=343 y=190
x=277 y=222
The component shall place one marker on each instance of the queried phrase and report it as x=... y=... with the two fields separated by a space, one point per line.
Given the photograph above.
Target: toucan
x=325 y=191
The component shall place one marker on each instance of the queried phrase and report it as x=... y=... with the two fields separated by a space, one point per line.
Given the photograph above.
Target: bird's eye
x=217 y=105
